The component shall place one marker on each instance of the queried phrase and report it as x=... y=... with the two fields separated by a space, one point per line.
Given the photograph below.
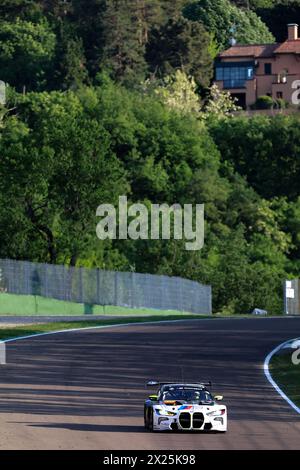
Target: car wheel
x=150 y=425
x=146 y=422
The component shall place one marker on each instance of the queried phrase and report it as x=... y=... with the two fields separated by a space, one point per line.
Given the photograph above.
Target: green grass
x=287 y=376
x=29 y=305
x=25 y=330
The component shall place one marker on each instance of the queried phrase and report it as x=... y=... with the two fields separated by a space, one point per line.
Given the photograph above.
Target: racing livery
x=184 y=407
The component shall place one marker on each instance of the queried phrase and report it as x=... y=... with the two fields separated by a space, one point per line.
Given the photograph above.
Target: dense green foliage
x=59 y=43
x=278 y=15
x=64 y=154
x=26 y=52
x=180 y=44
x=93 y=114
x=226 y=21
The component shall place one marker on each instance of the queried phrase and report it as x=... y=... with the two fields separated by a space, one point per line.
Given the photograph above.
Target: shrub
x=264 y=102
x=281 y=104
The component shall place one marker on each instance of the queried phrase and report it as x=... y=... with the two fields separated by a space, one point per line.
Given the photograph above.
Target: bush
x=264 y=102
x=281 y=104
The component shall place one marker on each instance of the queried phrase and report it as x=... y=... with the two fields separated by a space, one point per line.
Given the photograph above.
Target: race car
x=184 y=407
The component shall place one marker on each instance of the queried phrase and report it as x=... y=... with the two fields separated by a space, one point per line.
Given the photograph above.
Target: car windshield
x=186 y=395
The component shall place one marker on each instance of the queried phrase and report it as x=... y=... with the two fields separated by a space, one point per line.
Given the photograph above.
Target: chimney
x=293 y=32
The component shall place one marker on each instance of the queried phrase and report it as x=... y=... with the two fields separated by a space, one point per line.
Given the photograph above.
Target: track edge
x=270 y=378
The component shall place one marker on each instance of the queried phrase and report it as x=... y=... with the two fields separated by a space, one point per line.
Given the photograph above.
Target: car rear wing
x=156 y=383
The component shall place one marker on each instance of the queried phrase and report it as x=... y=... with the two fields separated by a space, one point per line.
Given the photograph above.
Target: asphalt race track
x=85 y=390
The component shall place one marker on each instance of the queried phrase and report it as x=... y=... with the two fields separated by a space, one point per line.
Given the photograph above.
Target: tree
x=279 y=15
x=178 y=92
x=24 y=9
x=26 y=53
x=254 y=4
x=180 y=45
x=149 y=13
x=268 y=153
x=220 y=104
x=62 y=153
x=256 y=284
x=55 y=171
x=226 y=21
x=87 y=21
x=123 y=52
x=290 y=221
x=70 y=65
x=173 y=9
x=57 y=8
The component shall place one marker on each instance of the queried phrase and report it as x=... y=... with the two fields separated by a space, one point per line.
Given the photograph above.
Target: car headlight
x=216 y=413
x=162 y=412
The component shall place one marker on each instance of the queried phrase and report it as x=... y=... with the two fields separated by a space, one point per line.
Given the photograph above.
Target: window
x=234 y=74
x=250 y=73
x=268 y=69
x=279 y=95
x=219 y=74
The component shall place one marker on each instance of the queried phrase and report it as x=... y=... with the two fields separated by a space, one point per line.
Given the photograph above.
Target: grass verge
x=29 y=305
x=26 y=330
x=287 y=376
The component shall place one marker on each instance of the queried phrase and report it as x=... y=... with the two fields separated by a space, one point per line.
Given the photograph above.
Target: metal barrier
x=97 y=287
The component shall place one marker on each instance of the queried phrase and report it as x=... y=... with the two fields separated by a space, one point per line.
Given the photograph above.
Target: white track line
x=272 y=381
x=266 y=363
x=102 y=327
x=72 y=330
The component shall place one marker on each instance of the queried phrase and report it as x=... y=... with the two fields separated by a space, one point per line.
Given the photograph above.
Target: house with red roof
x=251 y=71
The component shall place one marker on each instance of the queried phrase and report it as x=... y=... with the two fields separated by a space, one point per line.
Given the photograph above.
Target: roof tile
x=255 y=51
x=289 y=47
x=262 y=50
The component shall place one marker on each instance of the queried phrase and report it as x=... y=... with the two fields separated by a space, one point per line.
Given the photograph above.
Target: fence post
x=179 y=294
x=46 y=280
x=116 y=289
x=27 y=277
x=81 y=293
x=285 y=300
x=98 y=286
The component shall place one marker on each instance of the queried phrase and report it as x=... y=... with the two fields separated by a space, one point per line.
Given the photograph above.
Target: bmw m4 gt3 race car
x=184 y=407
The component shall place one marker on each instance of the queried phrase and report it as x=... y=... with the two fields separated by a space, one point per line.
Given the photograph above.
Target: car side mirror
x=153 y=397
x=218 y=397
